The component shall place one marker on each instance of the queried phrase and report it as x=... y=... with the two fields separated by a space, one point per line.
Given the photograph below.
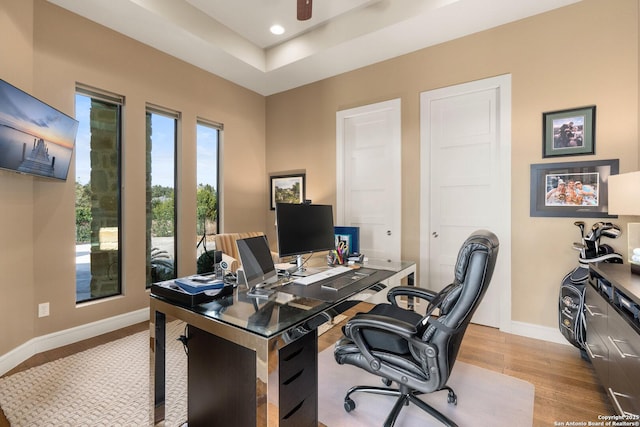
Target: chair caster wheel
x=386 y=381
x=349 y=405
x=452 y=398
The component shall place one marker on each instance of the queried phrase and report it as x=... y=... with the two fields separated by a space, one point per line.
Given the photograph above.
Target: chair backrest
x=226 y=242
x=472 y=275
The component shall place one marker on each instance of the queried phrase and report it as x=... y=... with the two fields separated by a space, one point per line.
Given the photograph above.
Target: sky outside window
x=207 y=155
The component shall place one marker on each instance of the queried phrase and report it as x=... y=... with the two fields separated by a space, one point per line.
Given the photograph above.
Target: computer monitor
x=257 y=264
x=304 y=228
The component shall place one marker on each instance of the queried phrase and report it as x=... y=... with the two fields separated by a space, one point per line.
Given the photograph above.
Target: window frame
x=220 y=128
x=113 y=99
x=177 y=117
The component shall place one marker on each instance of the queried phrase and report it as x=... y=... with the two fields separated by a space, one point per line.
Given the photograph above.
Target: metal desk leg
x=411 y=281
x=158 y=364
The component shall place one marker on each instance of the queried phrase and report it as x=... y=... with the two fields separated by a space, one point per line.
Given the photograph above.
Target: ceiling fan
x=304 y=9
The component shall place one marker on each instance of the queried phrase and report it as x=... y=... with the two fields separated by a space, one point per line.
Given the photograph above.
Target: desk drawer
x=599 y=355
x=298 y=381
x=596 y=311
x=623 y=391
x=303 y=414
x=298 y=354
x=624 y=354
x=297 y=387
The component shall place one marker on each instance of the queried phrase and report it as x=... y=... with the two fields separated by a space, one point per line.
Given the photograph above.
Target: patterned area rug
x=104 y=386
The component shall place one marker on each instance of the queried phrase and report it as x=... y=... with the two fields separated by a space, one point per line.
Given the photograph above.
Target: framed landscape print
x=287 y=189
x=572 y=189
x=569 y=132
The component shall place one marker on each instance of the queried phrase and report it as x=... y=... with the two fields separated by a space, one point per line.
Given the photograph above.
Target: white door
x=368 y=176
x=466 y=184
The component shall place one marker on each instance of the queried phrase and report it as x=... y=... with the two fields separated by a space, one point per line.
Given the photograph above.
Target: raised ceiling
x=231 y=38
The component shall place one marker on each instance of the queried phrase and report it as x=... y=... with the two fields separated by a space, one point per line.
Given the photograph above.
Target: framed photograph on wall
x=572 y=189
x=287 y=189
x=569 y=132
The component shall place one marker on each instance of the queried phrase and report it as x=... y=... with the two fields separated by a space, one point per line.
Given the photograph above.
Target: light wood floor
x=566 y=388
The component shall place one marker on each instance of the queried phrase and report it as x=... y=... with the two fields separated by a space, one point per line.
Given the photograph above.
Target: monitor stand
x=301 y=270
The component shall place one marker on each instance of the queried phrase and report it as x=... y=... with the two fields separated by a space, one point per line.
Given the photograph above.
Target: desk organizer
x=170 y=291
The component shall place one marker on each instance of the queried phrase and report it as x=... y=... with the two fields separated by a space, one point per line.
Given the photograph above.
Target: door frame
x=502 y=84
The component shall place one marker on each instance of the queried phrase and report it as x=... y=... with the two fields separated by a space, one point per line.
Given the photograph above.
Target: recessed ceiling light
x=277 y=29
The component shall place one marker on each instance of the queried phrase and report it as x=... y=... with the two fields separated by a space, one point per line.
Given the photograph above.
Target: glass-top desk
x=246 y=352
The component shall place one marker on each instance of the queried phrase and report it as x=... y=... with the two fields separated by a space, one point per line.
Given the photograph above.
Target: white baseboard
x=544 y=333
x=37 y=345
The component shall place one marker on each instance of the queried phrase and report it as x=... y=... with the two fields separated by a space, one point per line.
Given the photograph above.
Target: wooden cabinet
x=596 y=318
x=613 y=333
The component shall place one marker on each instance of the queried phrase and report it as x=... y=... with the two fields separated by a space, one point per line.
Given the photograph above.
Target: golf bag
x=571 y=302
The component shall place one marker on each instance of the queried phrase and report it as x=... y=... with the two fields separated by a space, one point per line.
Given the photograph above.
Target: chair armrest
x=363 y=321
x=410 y=291
x=355 y=328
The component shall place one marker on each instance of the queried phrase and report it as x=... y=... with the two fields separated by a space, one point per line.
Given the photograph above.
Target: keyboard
x=323 y=275
x=342 y=281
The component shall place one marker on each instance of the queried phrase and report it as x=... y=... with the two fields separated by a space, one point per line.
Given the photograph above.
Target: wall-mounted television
x=35 y=138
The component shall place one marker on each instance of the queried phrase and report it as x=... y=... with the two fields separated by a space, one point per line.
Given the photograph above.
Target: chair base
x=405 y=396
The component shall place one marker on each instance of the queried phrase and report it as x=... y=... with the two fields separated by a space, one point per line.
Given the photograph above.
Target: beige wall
x=45 y=51
x=579 y=55
x=17 y=314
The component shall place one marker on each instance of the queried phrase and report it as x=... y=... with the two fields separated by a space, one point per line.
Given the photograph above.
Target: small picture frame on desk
x=287 y=189
x=349 y=238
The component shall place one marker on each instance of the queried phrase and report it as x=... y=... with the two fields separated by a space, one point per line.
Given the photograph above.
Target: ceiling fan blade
x=304 y=9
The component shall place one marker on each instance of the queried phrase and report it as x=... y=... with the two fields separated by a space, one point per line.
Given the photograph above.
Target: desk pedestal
x=298 y=382
x=223 y=382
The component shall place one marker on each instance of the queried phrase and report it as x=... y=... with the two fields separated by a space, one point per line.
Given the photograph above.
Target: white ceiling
x=231 y=38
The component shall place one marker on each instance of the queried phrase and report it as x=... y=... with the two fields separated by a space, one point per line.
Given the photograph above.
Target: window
x=207 y=155
x=98 y=213
x=162 y=126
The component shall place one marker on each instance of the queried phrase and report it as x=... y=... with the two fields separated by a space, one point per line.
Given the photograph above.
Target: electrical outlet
x=43 y=309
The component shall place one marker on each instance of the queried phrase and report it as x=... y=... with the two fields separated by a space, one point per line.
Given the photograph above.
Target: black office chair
x=414 y=351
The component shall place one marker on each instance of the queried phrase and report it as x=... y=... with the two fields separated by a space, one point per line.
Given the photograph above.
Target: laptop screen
x=257 y=264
